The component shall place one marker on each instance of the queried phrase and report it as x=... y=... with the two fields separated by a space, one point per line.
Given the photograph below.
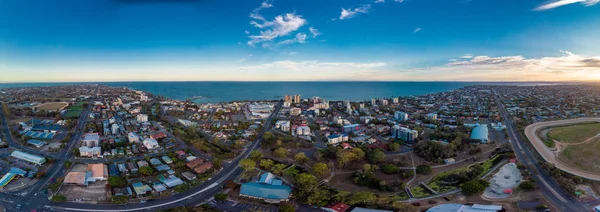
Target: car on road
x=597 y=208
x=18 y=206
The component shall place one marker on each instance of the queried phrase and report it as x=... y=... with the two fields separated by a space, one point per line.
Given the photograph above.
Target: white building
x=141 y=118
x=395 y=100
x=114 y=129
x=303 y=130
x=91 y=140
x=432 y=116
x=133 y=137
x=150 y=143
x=401 y=116
x=85 y=151
x=337 y=138
x=283 y=125
x=143 y=97
x=404 y=133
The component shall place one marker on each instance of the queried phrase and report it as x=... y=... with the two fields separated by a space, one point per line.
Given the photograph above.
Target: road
x=549 y=155
x=550 y=190
x=193 y=196
x=34 y=196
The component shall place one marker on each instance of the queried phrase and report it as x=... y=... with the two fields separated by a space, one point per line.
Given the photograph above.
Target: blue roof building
x=267 y=188
x=480 y=132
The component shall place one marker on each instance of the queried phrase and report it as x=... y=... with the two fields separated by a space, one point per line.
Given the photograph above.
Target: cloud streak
x=560 y=3
x=350 y=13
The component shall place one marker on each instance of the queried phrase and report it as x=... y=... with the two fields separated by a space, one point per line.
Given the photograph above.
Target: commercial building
x=453 y=207
x=337 y=138
x=91 y=139
x=401 y=116
x=297 y=98
x=351 y=128
x=85 y=151
x=36 y=143
x=99 y=171
x=432 y=116
x=303 y=130
x=12 y=174
x=404 y=133
x=283 y=125
x=114 y=129
x=268 y=188
x=38 y=160
x=133 y=137
x=480 y=132
x=150 y=143
x=141 y=118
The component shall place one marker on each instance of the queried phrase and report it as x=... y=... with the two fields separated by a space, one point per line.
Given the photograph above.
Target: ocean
x=213 y=92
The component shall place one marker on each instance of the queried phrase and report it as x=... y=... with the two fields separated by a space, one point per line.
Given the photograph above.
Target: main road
x=551 y=191
x=193 y=196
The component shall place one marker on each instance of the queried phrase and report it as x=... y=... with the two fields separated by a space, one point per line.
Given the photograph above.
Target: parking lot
x=238 y=206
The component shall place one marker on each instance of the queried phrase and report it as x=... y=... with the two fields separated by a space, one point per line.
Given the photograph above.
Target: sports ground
x=577 y=145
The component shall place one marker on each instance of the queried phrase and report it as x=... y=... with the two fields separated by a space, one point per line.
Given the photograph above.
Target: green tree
x=280 y=152
x=220 y=197
x=527 y=185
x=474 y=187
x=256 y=155
x=364 y=197
x=376 y=156
x=59 y=198
x=116 y=181
x=320 y=169
x=269 y=137
x=266 y=164
x=182 y=188
x=146 y=170
x=424 y=169
x=278 y=168
x=217 y=163
x=309 y=191
x=394 y=146
x=247 y=164
x=287 y=207
x=300 y=157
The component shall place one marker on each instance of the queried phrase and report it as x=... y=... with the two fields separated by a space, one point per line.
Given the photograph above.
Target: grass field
x=575 y=133
x=584 y=156
x=51 y=106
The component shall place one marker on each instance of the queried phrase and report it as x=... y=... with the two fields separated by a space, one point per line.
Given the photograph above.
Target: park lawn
x=574 y=133
x=72 y=114
x=440 y=188
x=583 y=156
x=419 y=191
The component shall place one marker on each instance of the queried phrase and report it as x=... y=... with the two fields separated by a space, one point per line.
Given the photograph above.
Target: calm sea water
x=230 y=91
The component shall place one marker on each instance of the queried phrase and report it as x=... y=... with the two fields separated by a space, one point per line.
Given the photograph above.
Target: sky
x=299 y=40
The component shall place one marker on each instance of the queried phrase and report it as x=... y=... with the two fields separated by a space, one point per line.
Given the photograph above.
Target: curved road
x=193 y=196
x=549 y=155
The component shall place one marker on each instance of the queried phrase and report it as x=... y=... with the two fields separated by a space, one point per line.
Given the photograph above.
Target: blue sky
x=409 y=40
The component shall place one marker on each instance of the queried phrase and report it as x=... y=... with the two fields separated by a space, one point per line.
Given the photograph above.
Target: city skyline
x=356 y=40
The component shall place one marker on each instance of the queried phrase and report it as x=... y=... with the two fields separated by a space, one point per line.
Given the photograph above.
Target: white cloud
x=417 y=30
x=314 y=32
x=466 y=56
x=560 y=3
x=281 y=26
x=399 y=1
x=568 y=66
x=300 y=38
x=349 y=13
x=379 y=1
x=247 y=32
